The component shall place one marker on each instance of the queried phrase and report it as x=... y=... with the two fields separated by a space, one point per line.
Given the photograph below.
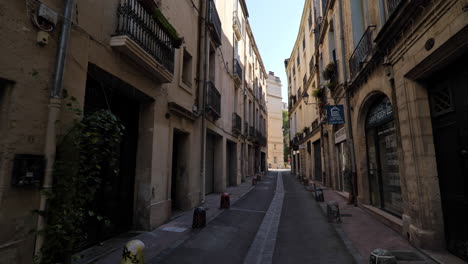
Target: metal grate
x=441 y=101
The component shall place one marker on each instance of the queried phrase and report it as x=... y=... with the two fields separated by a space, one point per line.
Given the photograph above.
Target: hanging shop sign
x=335 y=114
x=340 y=135
x=302 y=146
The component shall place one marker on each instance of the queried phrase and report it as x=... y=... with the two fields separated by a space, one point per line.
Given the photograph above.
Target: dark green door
x=448 y=94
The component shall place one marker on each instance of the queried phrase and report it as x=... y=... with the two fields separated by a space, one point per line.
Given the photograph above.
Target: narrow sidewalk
x=362 y=233
x=165 y=237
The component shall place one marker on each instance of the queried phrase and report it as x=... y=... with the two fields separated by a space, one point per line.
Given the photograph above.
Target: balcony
x=236 y=124
x=392 y=6
x=237 y=72
x=145 y=39
x=214 y=23
x=363 y=50
x=251 y=133
x=246 y=129
x=236 y=25
x=213 y=100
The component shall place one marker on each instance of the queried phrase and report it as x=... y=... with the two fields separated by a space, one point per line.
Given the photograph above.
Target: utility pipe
x=205 y=84
x=348 y=108
x=55 y=102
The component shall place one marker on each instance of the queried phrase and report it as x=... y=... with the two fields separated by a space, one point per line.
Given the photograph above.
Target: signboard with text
x=335 y=114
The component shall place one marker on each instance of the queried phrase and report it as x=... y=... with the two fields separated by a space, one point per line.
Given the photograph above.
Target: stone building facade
x=187 y=100
x=400 y=64
x=275 y=122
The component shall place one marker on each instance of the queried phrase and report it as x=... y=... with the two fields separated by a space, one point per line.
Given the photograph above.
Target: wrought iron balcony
x=145 y=39
x=237 y=72
x=213 y=100
x=392 y=6
x=251 y=132
x=361 y=53
x=215 y=23
x=236 y=124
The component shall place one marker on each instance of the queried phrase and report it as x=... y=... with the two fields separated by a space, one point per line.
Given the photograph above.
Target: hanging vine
x=90 y=149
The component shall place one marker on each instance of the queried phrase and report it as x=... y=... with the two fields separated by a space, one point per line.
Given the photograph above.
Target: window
x=187 y=69
x=304 y=43
x=310 y=20
x=298 y=60
x=274 y=146
x=275 y=160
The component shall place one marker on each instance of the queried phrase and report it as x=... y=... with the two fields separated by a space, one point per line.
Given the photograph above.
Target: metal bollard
x=199 y=218
x=225 y=202
x=382 y=256
x=254 y=180
x=319 y=195
x=133 y=252
x=333 y=212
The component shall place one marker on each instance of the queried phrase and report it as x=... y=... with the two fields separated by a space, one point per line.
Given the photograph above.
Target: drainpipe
x=205 y=84
x=348 y=109
x=55 y=102
x=200 y=19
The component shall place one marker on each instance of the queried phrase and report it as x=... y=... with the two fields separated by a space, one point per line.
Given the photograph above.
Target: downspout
x=55 y=102
x=200 y=19
x=348 y=110
x=205 y=84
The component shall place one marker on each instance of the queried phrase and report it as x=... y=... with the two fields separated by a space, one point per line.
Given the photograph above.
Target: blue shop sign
x=335 y=114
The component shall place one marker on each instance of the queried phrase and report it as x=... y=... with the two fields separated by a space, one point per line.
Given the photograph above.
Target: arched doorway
x=382 y=157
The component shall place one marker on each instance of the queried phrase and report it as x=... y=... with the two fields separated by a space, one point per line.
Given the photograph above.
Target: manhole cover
x=406 y=256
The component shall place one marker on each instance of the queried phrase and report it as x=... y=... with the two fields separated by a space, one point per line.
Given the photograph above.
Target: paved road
x=304 y=235
x=227 y=238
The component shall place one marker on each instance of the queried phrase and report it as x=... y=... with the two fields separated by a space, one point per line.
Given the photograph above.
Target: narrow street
x=227 y=238
x=304 y=235
x=251 y=231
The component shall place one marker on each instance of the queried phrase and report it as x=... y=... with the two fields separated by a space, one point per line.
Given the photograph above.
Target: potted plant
x=168 y=28
x=317 y=93
x=329 y=71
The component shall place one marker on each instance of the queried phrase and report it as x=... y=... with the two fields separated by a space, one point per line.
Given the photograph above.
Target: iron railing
x=138 y=24
x=311 y=66
x=251 y=132
x=213 y=100
x=215 y=23
x=362 y=51
x=237 y=69
x=392 y=6
x=236 y=124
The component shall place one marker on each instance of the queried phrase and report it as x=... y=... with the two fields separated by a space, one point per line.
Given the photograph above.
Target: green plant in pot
x=168 y=28
x=317 y=93
x=329 y=71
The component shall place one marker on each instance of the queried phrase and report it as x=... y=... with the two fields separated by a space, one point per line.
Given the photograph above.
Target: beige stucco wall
x=275 y=123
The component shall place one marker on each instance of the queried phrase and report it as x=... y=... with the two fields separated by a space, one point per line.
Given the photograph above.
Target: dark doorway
x=448 y=94
x=114 y=200
x=179 y=169
x=263 y=160
x=317 y=161
x=231 y=163
x=209 y=165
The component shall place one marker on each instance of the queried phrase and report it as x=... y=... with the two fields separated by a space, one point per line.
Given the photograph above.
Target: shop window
x=382 y=157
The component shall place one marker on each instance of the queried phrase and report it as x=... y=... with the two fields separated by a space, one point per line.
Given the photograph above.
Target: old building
x=275 y=122
x=304 y=100
x=191 y=95
x=400 y=65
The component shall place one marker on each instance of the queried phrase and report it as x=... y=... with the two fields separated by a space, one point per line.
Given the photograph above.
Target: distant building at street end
x=275 y=108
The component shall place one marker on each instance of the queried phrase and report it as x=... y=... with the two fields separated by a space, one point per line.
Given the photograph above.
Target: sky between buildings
x=275 y=24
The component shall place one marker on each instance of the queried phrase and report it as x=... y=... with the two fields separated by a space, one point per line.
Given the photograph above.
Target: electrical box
x=48 y=14
x=28 y=170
